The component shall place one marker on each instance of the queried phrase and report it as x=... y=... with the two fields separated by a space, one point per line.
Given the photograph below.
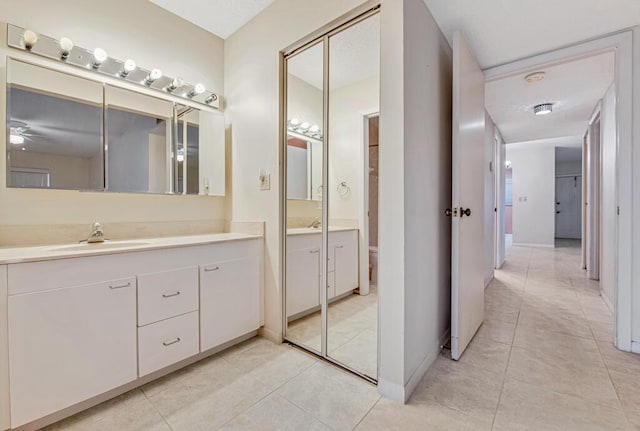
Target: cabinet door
x=229 y=300
x=70 y=344
x=346 y=264
x=303 y=280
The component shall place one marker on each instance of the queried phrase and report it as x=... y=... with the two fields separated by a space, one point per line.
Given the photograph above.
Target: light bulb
x=29 y=38
x=314 y=129
x=154 y=75
x=99 y=57
x=129 y=66
x=176 y=83
x=304 y=126
x=294 y=121
x=16 y=139
x=198 y=89
x=66 y=45
x=211 y=99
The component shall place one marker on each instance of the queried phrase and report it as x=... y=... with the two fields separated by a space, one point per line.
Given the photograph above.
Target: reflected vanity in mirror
x=73 y=133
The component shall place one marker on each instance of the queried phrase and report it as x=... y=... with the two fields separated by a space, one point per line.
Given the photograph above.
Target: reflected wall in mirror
x=304 y=292
x=54 y=129
x=199 y=141
x=138 y=142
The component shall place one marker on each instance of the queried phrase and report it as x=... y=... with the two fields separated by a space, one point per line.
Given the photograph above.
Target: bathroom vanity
x=304 y=266
x=89 y=321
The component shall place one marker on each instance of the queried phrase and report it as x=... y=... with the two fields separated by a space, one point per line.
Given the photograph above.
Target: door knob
x=557 y=212
x=448 y=212
x=465 y=212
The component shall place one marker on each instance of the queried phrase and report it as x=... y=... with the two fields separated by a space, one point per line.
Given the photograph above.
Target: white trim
x=524 y=244
x=622 y=44
x=391 y=390
x=607 y=301
x=635 y=347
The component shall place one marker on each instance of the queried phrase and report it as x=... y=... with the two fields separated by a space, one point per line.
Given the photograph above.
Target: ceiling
x=574 y=88
x=354 y=55
x=220 y=17
x=501 y=31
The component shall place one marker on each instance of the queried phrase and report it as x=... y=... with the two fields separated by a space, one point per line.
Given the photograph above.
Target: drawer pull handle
x=121 y=286
x=340 y=246
x=215 y=268
x=170 y=295
x=317 y=250
x=169 y=343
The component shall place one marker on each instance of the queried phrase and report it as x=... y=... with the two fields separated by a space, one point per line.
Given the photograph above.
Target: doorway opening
x=568 y=196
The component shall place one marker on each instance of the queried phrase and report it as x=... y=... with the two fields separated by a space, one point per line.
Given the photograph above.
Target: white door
x=467 y=248
x=569 y=207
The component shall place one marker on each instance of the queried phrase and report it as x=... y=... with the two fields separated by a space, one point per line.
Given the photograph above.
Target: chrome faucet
x=316 y=223
x=97 y=233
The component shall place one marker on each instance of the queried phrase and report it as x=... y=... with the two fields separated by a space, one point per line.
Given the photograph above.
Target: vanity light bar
x=304 y=128
x=97 y=60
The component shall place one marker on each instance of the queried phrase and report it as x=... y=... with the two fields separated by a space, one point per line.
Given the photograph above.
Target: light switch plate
x=265 y=182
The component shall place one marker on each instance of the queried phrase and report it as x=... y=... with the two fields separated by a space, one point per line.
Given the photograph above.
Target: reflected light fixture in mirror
x=16 y=139
x=175 y=84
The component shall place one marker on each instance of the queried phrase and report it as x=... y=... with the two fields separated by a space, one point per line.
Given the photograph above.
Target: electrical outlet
x=265 y=181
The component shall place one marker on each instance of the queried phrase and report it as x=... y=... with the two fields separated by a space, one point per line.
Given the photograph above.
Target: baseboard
x=401 y=393
x=488 y=280
x=635 y=347
x=273 y=336
x=524 y=244
x=608 y=302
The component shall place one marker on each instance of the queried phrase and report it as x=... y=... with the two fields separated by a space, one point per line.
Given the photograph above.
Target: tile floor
x=352 y=332
x=543 y=360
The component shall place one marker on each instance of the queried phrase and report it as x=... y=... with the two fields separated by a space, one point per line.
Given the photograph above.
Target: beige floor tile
x=391 y=416
x=483 y=358
x=528 y=407
x=333 y=397
x=550 y=319
x=271 y=364
x=274 y=413
x=617 y=360
x=561 y=347
x=628 y=387
x=131 y=411
x=460 y=390
x=564 y=376
x=497 y=330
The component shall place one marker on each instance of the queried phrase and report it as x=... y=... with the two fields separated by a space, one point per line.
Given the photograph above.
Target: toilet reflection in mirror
x=346 y=329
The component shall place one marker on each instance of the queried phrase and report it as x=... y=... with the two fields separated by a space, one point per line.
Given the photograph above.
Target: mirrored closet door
x=332 y=105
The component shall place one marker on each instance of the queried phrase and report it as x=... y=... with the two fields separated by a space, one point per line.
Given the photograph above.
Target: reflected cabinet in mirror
x=67 y=132
x=54 y=127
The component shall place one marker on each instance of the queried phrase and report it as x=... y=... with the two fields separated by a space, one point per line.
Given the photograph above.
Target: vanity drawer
x=166 y=294
x=164 y=343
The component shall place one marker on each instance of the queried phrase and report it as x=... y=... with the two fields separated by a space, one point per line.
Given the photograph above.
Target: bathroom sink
x=99 y=246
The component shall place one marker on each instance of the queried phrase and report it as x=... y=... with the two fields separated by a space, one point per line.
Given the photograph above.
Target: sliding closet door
x=354 y=81
x=304 y=294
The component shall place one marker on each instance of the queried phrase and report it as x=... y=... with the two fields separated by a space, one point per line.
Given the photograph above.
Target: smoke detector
x=535 y=77
x=543 y=109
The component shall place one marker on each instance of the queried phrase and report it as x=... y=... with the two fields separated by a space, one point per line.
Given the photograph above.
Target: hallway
x=542 y=360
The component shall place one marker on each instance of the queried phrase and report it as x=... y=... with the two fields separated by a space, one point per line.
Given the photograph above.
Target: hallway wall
x=533 y=193
x=608 y=218
x=489 y=198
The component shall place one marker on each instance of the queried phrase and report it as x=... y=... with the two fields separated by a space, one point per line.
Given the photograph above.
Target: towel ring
x=343 y=189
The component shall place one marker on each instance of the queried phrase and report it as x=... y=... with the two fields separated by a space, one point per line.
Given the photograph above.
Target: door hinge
x=618 y=211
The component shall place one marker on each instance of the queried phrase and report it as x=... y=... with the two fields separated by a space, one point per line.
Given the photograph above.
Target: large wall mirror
x=67 y=132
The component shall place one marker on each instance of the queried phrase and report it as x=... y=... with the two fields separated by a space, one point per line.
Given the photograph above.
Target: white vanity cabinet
x=83 y=328
x=70 y=344
x=229 y=299
x=304 y=266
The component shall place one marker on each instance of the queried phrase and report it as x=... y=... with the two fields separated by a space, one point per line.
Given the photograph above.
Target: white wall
x=347 y=108
x=427 y=62
x=501 y=154
x=608 y=201
x=534 y=179
x=489 y=198
x=125 y=29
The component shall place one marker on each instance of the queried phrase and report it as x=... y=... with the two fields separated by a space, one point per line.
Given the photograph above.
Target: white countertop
x=10 y=255
x=310 y=230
